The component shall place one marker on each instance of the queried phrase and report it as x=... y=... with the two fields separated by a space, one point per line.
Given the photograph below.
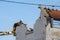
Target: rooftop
x=53 y=13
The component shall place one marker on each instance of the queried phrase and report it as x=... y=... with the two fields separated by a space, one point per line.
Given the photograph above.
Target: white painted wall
x=40 y=29
x=30 y=36
x=20 y=32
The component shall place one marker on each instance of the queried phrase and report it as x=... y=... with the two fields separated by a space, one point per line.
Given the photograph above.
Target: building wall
x=20 y=32
x=55 y=33
x=39 y=28
x=48 y=33
x=30 y=36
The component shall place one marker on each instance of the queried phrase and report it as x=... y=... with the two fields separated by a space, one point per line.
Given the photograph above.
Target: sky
x=11 y=13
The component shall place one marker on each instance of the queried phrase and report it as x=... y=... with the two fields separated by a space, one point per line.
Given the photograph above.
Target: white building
x=39 y=32
x=42 y=28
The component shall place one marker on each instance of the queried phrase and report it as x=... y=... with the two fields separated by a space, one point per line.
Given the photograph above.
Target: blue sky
x=11 y=13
